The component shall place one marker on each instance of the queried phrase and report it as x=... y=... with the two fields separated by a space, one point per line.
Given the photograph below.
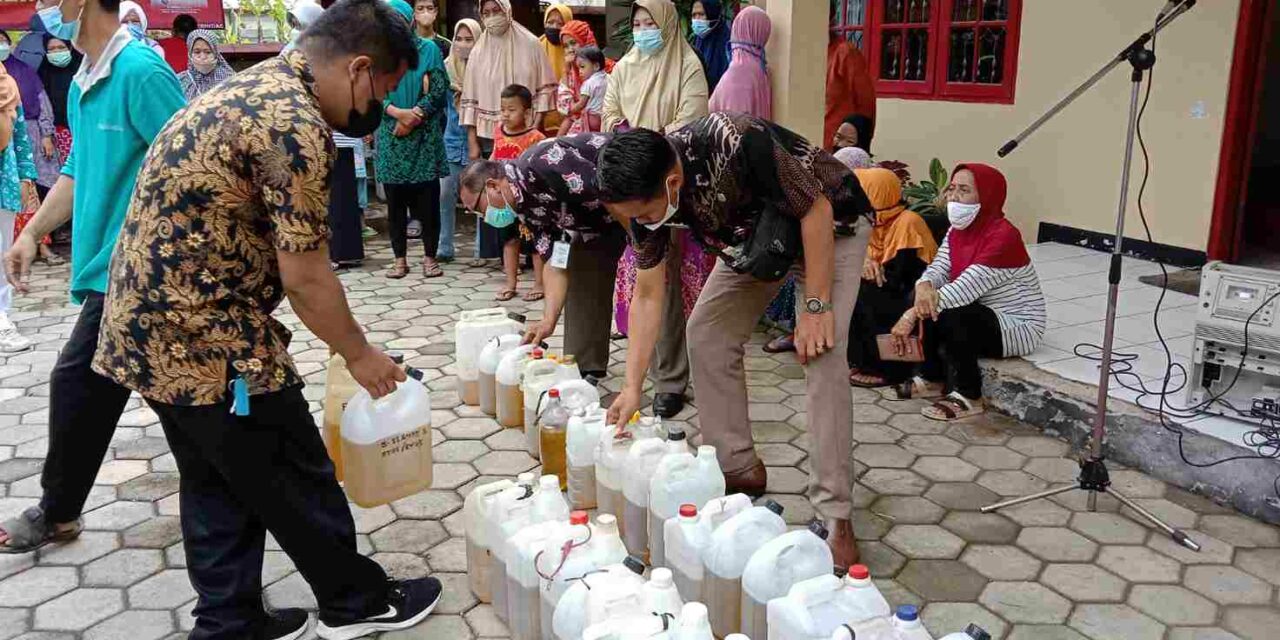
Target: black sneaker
x=408 y=603
x=286 y=624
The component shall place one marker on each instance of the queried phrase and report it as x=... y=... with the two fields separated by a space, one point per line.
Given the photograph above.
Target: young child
x=590 y=101
x=515 y=136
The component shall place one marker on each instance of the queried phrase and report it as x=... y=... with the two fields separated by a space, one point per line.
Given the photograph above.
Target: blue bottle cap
x=908 y=612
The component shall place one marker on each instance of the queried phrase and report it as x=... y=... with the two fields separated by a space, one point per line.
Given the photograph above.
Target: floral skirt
x=695 y=268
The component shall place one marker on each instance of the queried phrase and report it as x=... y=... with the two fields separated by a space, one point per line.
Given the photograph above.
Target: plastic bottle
x=508 y=381
x=539 y=376
x=582 y=437
x=487 y=366
x=552 y=425
x=971 y=632
x=725 y=558
x=611 y=460
x=642 y=459
x=512 y=511
x=473 y=329
x=790 y=558
x=570 y=618
x=523 y=606
x=694 y=623
x=573 y=552
x=339 y=388
x=386 y=443
x=680 y=478
x=907 y=625
x=478 y=533
x=659 y=595
x=577 y=394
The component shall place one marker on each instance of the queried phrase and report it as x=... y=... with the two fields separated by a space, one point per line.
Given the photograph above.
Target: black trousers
x=84 y=408
x=346 y=244
x=876 y=311
x=422 y=201
x=956 y=340
x=244 y=476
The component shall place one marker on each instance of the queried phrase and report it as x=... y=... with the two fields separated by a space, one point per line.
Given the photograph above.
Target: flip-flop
x=30 y=531
x=534 y=296
x=398 y=271
x=505 y=295
x=431 y=270
x=869 y=381
x=954 y=407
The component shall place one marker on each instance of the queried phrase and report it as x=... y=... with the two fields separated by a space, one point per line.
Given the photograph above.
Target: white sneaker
x=10 y=340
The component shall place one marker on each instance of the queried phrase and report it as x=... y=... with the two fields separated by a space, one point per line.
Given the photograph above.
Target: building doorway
x=1247 y=205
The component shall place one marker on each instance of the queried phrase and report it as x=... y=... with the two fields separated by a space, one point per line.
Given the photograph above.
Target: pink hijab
x=745 y=86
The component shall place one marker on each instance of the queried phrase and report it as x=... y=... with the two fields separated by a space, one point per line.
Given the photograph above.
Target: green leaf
x=937 y=172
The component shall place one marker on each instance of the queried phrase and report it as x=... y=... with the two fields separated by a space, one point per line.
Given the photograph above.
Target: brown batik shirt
x=238 y=175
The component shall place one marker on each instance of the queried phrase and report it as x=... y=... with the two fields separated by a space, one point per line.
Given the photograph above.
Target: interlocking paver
x=1139 y=564
x=1202 y=633
x=987 y=528
x=1115 y=622
x=941 y=618
x=1002 y=562
x=1172 y=604
x=1028 y=602
x=1240 y=531
x=88 y=546
x=908 y=510
x=1109 y=528
x=33 y=586
x=122 y=568
x=165 y=590
x=924 y=541
x=79 y=609
x=1228 y=585
x=133 y=625
x=1084 y=583
x=1056 y=545
x=994 y=457
x=942 y=580
x=945 y=469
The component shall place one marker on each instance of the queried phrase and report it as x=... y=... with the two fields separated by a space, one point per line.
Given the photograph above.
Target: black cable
x=1266 y=437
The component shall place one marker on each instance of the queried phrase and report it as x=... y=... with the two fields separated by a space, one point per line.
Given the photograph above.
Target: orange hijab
x=897 y=228
x=9 y=101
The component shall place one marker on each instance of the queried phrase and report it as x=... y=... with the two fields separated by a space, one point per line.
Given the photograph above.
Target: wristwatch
x=816 y=306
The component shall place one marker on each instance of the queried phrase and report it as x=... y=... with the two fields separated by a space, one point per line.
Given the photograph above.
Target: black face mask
x=359 y=124
x=553 y=35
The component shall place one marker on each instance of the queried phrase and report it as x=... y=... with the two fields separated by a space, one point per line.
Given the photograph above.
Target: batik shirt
x=734 y=165
x=556 y=190
x=239 y=175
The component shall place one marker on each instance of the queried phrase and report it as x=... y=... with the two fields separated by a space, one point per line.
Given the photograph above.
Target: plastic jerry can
x=659 y=595
x=611 y=460
x=726 y=556
x=523 y=607
x=339 y=388
x=539 y=376
x=552 y=429
x=790 y=558
x=574 y=551
x=572 y=611
x=582 y=436
x=971 y=632
x=874 y=629
x=473 y=329
x=386 y=443
x=694 y=623
x=680 y=478
x=576 y=393
x=816 y=608
x=490 y=356
x=478 y=534
x=685 y=540
x=508 y=379
x=642 y=459
x=907 y=624
x=512 y=511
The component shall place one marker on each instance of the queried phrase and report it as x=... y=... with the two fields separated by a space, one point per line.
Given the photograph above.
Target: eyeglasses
x=475 y=205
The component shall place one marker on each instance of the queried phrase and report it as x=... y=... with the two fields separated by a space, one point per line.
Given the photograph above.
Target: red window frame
x=935 y=85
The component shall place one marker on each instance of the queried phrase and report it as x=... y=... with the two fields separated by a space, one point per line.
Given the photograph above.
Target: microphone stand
x=1094 y=477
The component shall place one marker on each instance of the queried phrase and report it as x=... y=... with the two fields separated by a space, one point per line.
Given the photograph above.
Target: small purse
x=914 y=352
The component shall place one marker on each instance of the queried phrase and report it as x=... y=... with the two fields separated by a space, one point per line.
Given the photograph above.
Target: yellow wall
x=1069 y=172
x=794 y=54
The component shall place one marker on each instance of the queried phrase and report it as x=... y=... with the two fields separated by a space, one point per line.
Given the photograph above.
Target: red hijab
x=991 y=241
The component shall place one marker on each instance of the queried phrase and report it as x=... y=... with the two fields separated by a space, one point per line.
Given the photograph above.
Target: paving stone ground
x=1046 y=570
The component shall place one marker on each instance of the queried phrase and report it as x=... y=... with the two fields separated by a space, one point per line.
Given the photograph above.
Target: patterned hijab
x=195 y=83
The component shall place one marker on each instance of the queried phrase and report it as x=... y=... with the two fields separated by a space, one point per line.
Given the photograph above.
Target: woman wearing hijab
x=411 y=157
x=660 y=85
x=979 y=298
x=506 y=54
x=856 y=131
x=711 y=34
x=850 y=87
x=552 y=40
x=17 y=193
x=38 y=114
x=206 y=67
x=56 y=74
x=745 y=85
x=135 y=19
x=900 y=248
x=575 y=35
x=455 y=138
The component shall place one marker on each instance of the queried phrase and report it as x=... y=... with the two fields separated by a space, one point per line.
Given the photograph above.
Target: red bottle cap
x=688 y=510
x=554 y=393
x=859 y=572
x=579 y=517
x=537 y=353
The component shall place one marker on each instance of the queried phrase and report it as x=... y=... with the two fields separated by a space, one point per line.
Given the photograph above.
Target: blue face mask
x=701 y=27
x=647 y=40
x=136 y=31
x=500 y=217
x=56 y=25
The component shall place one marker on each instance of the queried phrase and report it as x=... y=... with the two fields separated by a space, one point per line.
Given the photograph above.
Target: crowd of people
x=652 y=194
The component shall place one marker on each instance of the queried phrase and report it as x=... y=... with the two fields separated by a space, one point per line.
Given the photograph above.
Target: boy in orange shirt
x=515 y=136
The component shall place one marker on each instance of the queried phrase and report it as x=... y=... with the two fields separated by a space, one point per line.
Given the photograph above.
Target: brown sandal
x=398 y=270
x=916 y=388
x=431 y=269
x=954 y=407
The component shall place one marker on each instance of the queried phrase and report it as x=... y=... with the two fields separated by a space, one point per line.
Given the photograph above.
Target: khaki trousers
x=721 y=324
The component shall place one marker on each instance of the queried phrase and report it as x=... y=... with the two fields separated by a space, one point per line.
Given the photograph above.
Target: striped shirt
x=1014 y=294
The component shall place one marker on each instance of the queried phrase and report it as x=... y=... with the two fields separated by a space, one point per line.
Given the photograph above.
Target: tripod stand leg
x=1178 y=535
x=1025 y=499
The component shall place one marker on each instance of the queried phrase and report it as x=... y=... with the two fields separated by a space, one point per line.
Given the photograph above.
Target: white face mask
x=672 y=209
x=962 y=215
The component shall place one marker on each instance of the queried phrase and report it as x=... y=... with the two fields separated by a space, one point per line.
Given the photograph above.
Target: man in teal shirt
x=121 y=97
